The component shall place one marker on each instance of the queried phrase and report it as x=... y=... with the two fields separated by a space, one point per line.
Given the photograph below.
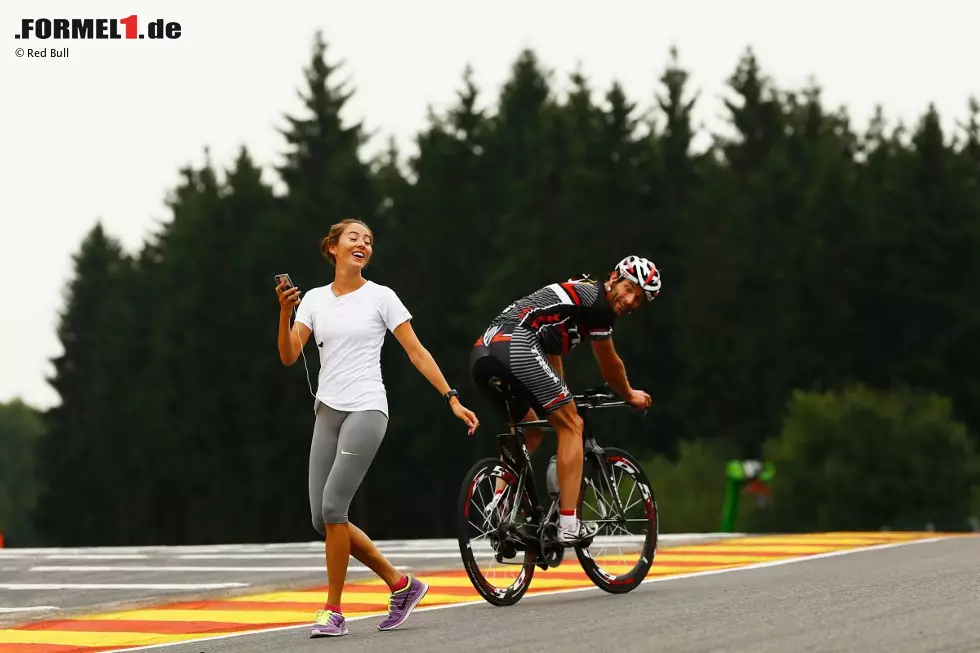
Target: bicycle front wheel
x=499 y=567
x=617 y=496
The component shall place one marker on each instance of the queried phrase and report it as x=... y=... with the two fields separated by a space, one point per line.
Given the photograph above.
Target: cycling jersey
x=560 y=314
x=551 y=320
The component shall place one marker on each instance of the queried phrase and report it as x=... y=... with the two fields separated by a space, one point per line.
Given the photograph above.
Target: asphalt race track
x=824 y=592
x=58 y=583
x=102 y=577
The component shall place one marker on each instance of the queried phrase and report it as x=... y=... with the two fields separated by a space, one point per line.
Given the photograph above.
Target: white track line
x=97 y=556
x=659 y=579
x=48 y=550
x=251 y=556
x=87 y=568
x=439 y=544
x=315 y=556
x=119 y=586
x=31 y=608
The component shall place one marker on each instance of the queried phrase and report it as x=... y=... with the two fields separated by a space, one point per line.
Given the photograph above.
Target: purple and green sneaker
x=402 y=602
x=328 y=624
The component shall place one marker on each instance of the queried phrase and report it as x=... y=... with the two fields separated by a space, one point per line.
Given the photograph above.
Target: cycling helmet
x=642 y=272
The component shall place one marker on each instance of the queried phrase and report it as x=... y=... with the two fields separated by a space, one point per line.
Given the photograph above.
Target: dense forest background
x=820 y=309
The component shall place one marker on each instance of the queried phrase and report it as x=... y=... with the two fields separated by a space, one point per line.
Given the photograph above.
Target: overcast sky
x=100 y=134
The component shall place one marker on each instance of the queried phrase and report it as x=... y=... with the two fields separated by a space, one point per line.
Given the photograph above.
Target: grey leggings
x=343 y=447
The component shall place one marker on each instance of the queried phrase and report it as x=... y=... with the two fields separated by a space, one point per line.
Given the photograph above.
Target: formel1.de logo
x=129 y=27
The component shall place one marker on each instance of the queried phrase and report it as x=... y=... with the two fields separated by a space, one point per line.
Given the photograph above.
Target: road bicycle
x=510 y=527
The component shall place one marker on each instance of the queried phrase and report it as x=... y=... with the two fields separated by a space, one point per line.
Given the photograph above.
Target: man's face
x=624 y=296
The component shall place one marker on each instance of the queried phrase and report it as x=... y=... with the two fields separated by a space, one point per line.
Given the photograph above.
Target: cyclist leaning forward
x=524 y=346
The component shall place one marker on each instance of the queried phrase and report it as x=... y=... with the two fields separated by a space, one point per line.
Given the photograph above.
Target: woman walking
x=348 y=319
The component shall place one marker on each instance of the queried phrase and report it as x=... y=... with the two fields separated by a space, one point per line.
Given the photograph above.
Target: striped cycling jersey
x=561 y=314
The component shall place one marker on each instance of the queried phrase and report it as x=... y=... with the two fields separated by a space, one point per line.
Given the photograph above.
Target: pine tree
x=74 y=461
x=21 y=429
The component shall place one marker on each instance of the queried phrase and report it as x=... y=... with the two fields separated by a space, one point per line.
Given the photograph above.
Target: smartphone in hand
x=284 y=277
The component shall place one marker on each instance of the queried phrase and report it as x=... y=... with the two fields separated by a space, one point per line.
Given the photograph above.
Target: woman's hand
x=288 y=299
x=465 y=414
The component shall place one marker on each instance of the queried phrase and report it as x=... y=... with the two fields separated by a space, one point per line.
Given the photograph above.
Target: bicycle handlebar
x=604 y=399
x=599 y=397
x=595 y=398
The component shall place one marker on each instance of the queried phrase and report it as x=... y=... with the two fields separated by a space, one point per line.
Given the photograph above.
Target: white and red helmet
x=642 y=272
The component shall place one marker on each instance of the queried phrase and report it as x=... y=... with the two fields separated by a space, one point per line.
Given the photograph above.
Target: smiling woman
x=348 y=319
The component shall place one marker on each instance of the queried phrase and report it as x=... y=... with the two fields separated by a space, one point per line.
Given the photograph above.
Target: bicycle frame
x=592 y=453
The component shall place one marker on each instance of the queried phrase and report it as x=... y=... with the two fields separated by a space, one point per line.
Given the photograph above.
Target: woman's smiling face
x=354 y=247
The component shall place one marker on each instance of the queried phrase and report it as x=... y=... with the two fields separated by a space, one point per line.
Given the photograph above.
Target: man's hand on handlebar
x=638 y=399
x=603 y=394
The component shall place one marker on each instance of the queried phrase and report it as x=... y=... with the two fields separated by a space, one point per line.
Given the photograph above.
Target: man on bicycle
x=523 y=348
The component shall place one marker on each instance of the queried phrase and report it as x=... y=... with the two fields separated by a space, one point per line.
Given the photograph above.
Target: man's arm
x=611 y=366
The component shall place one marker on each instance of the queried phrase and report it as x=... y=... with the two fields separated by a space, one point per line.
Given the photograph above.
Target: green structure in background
x=739 y=474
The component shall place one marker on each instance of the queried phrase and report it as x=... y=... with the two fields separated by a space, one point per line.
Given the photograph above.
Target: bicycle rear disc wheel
x=622 y=552
x=479 y=519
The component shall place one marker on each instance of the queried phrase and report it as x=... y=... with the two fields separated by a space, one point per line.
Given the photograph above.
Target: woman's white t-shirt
x=349 y=331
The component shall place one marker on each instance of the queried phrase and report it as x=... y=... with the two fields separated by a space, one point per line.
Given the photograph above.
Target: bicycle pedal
x=583 y=543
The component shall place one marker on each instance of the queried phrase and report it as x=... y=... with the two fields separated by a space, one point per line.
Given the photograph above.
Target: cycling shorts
x=511 y=369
